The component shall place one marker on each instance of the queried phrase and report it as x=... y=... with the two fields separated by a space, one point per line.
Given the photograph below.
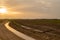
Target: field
x=40 y=29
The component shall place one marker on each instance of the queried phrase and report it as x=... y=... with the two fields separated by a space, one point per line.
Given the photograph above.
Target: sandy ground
x=5 y=34
x=24 y=36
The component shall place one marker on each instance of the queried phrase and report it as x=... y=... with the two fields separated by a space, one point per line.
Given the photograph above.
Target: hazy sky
x=34 y=9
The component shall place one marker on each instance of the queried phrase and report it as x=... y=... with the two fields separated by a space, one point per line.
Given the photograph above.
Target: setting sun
x=3 y=10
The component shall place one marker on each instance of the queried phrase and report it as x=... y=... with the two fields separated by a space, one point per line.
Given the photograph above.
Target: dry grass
x=49 y=27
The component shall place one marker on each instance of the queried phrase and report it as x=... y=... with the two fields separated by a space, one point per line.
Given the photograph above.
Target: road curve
x=18 y=33
x=5 y=34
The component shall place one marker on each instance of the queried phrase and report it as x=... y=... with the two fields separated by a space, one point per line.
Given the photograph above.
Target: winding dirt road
x=19 y=34
x=5 y=34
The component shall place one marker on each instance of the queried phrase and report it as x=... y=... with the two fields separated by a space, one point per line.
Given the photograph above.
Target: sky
x=33 y=9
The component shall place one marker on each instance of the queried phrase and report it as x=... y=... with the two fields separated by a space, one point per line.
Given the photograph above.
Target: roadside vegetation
x=3 y=20
x=50 y=28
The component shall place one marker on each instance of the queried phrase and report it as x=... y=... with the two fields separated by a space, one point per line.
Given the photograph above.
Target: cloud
x=41 y=8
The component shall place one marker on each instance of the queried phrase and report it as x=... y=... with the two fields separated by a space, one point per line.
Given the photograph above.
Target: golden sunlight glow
x=3 y=10
x=8 y=10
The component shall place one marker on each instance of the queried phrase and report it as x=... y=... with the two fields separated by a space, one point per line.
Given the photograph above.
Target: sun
x=3 y=10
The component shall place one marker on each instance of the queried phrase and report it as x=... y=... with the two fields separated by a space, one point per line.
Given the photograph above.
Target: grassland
x=1 y=20
x=50 y=28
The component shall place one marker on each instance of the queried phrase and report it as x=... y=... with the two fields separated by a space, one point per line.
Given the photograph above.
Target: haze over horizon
x=32 y=9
